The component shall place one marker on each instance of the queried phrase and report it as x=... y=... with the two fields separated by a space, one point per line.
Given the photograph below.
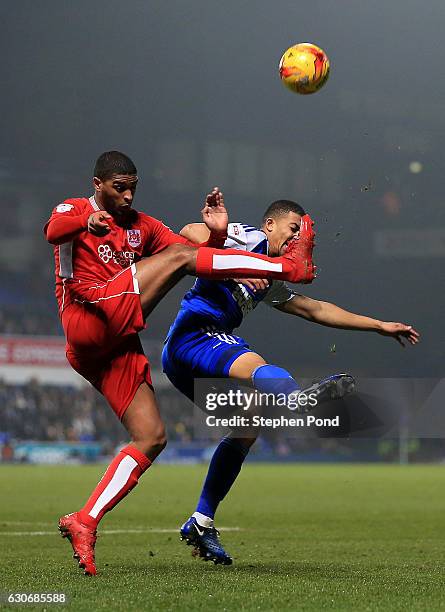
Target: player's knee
x=158 y=446
x=156 y=442
x=160 y=440
x=152 y=441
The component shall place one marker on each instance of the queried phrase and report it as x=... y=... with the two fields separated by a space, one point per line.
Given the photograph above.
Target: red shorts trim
x=101 y=327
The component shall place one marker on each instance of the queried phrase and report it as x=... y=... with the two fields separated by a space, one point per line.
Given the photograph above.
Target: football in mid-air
x=304 y=68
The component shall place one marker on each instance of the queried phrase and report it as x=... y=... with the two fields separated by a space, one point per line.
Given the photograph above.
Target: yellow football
x=304 y=68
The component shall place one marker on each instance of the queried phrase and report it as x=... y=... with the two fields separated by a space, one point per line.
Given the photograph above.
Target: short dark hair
x=282 y=207
x=113 y=162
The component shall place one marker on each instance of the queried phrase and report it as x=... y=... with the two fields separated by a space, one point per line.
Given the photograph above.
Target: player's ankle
x=203 y=520
x=87 y=520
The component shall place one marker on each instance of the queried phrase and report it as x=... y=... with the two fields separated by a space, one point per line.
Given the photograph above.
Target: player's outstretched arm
x=195 y=232
x=331 y=315
x=63 y=228
x=399 y=331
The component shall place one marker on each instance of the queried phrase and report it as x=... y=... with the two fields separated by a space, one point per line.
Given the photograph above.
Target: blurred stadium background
x=191 y=92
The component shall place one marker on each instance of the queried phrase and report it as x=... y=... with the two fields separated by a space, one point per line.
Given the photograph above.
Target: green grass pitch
x=310 y=537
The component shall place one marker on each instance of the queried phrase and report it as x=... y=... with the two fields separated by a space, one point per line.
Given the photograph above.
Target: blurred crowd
x=27 y=304
x=20 y=320
x=35 y=411
x=50 y=413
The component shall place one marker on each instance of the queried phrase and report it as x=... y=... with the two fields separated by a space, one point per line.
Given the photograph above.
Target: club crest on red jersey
x=64 y=207
x=134 y=237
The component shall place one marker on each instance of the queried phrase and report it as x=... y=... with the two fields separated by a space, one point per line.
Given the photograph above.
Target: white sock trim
x=116 y=484
x=228 y=262
x=203 y=520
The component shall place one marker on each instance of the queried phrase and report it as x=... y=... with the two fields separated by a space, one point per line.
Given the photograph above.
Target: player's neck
x=97 y=199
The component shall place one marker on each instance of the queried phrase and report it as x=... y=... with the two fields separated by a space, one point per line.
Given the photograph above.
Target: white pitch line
x=106 y=532
x=34 y=523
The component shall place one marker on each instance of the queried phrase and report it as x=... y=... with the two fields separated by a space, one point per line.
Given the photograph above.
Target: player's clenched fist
x=98 y=223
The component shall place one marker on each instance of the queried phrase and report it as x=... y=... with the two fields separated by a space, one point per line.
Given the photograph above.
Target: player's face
x=116 y=193
x=280 y=230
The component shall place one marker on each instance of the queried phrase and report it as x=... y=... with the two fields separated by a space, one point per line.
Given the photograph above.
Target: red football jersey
x=92 y=259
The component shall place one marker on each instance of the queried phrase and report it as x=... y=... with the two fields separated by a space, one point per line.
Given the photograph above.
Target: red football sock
x=232 y=263
x=120 y=478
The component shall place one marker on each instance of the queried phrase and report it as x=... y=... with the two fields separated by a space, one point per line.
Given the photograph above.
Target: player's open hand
x=400 y=332
x=98 y=223
x=214 y=213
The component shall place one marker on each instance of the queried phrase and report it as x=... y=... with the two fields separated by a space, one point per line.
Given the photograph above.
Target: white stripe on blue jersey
x=246 y=238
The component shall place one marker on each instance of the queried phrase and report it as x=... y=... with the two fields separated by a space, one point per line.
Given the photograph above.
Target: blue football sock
x=273 y=379
x=223 y=469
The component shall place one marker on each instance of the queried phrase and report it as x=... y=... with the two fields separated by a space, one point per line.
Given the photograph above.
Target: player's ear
x=269 y=224
x=97 y=183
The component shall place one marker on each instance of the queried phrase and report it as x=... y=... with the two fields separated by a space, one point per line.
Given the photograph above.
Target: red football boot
x=83 y=540
x=299 y=253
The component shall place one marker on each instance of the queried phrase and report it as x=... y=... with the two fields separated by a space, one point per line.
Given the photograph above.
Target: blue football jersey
x=226 y=303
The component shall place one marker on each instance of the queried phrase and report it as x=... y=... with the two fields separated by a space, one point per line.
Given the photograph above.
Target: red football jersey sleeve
x=67 y=220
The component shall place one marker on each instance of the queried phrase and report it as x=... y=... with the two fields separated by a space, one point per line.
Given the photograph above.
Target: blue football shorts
x=204 y=352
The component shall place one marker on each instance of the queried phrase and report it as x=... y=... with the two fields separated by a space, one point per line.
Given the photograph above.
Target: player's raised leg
x=158 y=274
x=272 y=379
x=144 y=424
x=229 y=456
x=295 y=265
